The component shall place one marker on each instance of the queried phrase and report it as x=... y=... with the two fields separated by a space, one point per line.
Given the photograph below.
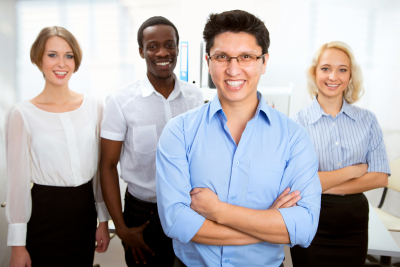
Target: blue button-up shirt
x=352 y=137
x=196 y=149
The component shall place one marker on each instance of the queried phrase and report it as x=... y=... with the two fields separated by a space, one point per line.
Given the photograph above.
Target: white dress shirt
x=137 y=114
x=56 y=149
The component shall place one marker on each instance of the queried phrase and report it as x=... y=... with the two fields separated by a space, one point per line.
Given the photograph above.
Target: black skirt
x=62 y=228
x=342 y=235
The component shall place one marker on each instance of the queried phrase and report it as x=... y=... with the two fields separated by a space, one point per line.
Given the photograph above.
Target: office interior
x=106 y=30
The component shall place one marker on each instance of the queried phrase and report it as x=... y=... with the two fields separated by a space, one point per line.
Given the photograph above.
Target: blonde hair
x=355 y=88
x=37 y=49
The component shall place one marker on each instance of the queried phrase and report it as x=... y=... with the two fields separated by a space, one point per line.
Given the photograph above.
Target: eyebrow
x=339 y=65
x=57 y=52
x=243 y=52
x=156 y=41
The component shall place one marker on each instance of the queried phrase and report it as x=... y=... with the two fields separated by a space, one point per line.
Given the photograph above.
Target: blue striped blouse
x=352 y=137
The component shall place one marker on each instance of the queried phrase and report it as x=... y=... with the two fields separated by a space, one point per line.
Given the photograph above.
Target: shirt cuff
x=186 y=225
x=112 y=136
x=299 y=224
x=379 y=168
x=102 y=212
x=17 y=234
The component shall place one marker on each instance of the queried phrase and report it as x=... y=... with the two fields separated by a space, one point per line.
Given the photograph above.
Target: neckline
x=83 y=101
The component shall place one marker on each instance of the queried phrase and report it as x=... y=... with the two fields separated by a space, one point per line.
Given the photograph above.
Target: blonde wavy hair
x=355 y=88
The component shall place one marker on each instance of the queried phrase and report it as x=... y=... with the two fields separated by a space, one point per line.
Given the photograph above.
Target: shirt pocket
x=264 y=182
x=145 y=139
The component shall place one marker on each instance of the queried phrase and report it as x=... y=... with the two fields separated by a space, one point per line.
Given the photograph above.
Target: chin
x=164 y=77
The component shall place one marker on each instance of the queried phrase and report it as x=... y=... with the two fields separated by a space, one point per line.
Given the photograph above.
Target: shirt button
x=226 y=260
x=333 y=123
x=233 y=197
x=339 y=164
x=237 y=162
x=337 y=143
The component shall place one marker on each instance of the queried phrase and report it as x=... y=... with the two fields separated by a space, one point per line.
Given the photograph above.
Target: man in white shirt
x=134 y=118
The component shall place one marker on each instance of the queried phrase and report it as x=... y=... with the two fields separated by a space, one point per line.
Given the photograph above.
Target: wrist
x=18 y=248
x=103 y=225
x=221 y=212
x=121 y=231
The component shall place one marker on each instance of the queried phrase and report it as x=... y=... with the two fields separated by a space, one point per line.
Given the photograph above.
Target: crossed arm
x=228 y=224
x=351 y=180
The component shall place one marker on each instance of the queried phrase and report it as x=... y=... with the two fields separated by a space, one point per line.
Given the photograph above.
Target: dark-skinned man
x=134 y=118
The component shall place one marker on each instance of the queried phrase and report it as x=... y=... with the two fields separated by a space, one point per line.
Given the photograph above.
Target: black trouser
x=136 y=213
x=179 y=263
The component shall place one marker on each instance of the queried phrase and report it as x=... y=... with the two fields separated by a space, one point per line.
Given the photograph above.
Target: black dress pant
x=342 y=235
x=136 y=213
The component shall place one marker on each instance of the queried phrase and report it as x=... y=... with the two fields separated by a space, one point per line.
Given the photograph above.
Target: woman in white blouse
x=53 y=141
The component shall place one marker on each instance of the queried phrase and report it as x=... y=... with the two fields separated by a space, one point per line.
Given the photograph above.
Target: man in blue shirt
x=225 y=169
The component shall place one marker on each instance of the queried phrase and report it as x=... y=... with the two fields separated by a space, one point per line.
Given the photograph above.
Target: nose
x=234 y=68
x=333 y=76
x=162 y=52
x=61 y=62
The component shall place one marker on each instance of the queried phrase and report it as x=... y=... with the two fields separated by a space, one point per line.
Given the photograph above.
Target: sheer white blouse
x=57 y=149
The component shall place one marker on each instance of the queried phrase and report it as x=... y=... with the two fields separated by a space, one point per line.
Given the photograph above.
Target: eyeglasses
x=243 y=60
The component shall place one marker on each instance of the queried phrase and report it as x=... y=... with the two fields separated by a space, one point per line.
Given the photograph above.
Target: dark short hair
x=235 y=21
x=157 y=20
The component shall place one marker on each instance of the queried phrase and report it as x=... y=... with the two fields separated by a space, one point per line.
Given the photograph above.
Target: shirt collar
x=348 y=109
x=316 y=112
x=215 y=106
x=147 y=88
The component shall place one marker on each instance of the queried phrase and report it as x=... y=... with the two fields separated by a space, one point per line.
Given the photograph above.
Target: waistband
x=142 y=203
x=56 y=187
x=342 y=199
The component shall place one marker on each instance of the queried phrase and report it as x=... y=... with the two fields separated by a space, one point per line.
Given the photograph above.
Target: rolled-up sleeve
x=376 y=157
x=173 y=185
x=301 y=174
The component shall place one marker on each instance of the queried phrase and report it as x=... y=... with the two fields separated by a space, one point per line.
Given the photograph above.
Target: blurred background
x=106 y=30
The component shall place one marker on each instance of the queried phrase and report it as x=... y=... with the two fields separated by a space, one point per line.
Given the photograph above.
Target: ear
x=208 y=63
x=264 y=67
x=141 y=52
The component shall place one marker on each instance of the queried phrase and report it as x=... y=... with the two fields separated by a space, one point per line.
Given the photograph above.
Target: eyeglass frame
x=237 y=58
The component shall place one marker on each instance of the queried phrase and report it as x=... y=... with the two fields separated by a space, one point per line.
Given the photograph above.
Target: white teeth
x=162 y=63
x=61 y=73
x=234 y=83
x=332 y=85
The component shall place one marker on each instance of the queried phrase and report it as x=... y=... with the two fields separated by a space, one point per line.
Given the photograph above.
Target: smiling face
x=58 y=62
x=236 y=83
x=332 y=74
x=160 y=51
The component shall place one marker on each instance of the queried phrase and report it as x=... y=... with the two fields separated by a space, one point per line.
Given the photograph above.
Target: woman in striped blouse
x=351 y=155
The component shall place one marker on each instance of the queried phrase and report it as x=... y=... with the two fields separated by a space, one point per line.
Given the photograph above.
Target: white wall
x=8 y=97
